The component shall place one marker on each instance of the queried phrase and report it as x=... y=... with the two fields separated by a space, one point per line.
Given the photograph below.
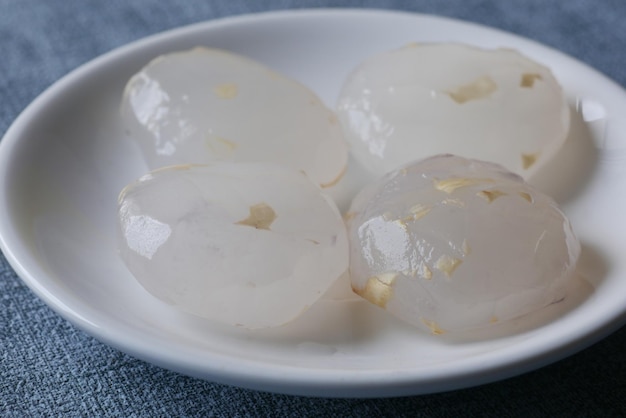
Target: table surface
x=48 y=367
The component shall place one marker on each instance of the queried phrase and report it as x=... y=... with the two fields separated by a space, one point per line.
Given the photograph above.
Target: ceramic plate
x=64 y=161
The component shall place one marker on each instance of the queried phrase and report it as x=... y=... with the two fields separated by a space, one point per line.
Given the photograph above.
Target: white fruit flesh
x=428 y=99
x=247 y=244
x=450 y=244
x=203 y=105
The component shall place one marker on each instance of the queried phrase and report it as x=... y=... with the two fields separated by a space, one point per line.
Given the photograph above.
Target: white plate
x=63 y=162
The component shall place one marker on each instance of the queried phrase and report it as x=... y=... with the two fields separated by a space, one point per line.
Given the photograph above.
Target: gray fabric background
x=49 y=368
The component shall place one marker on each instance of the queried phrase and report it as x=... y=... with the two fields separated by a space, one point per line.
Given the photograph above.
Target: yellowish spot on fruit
x=490 y=195
x=226 y=142
x=419 y=211
x=348 y=216
x=303 y=310
x=493 y=319
x=480 y=88
x=336 y=179
x=526 y=196
x=410 y=273
x=402 y=223
x=378 y=289
x=528 y=80
x=425 y=272
x=220 y=145
x=451 y=184
x=261 y=216
x=447 y=264
x=528 y=160
x=432 y=325
x=226 y=91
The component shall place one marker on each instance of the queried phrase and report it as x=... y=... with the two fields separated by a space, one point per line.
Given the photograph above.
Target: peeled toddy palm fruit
x=246 y=244
x=203 y=105
x=449 y=244
x=428 y=99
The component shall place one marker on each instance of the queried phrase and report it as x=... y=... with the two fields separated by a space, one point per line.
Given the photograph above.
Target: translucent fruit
x=428 y=99
x=202 y=105
x=449 y=244
x=247 y=244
